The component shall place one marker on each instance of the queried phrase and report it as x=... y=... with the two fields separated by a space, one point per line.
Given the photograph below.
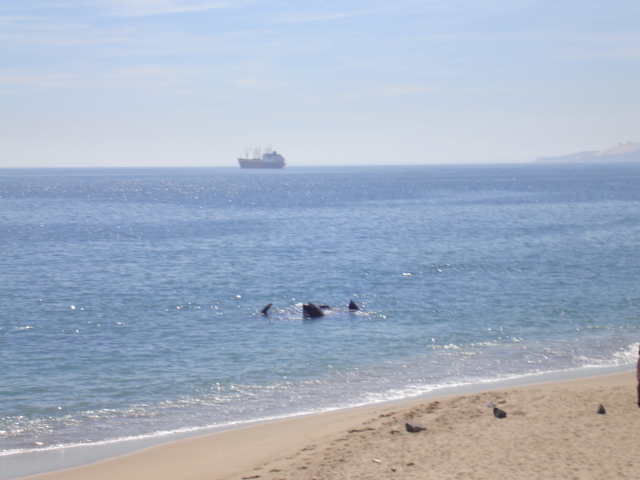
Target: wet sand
x=552 y=431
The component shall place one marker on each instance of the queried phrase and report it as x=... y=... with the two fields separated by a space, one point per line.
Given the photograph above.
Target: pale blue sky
x=196 y=82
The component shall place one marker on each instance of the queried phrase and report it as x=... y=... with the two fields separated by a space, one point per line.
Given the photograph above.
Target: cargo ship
x=269 y=159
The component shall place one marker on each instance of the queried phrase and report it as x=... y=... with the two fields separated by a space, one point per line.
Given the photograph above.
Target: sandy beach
x=551 y=431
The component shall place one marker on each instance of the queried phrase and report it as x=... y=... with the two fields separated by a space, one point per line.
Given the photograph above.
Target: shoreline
x=222 y=453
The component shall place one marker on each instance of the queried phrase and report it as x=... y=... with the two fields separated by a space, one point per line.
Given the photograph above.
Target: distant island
x=623 y=152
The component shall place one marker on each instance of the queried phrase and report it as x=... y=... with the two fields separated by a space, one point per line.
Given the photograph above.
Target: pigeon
x=499 y=413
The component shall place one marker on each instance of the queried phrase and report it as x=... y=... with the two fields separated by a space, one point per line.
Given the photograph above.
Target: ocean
x=131 y=298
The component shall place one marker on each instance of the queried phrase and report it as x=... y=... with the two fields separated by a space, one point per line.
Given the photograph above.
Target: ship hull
x=258 y=163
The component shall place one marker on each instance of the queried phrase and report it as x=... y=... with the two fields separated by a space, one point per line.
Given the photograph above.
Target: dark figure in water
x=312 y=310
x=353 y=306
x=265 y=310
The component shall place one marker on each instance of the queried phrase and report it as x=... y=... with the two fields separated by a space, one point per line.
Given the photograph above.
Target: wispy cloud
x=145 y=8
x=143 y=77
x=260 y=83
x=22 y=78
x=151 y=77
x=317 y=16
x=603 y=46
x=22 y=30
x=402 y=90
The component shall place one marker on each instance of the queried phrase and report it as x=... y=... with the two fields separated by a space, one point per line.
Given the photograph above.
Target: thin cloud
x=351 y=95
x=21 y=78
x=146 y=77
x=146 y=8
x=602 y=47
x=151 y=77
x=311 y=17
x=402 y=90
x=23 y=31
x=260 y=84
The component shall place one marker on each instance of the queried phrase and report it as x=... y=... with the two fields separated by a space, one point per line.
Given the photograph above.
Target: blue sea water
x=131 y=298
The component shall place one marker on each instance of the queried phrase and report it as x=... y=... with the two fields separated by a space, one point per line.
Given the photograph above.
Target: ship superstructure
x=269 y=159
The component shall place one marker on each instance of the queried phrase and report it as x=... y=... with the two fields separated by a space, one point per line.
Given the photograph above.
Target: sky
x=161 y=83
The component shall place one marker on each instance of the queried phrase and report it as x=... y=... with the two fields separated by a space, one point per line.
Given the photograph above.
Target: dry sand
x=552 y=431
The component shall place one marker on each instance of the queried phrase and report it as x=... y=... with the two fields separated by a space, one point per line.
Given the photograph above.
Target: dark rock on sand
x=601 y=410
x=414 y=427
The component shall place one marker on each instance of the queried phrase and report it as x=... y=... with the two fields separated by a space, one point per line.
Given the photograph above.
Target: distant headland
x=621 y=153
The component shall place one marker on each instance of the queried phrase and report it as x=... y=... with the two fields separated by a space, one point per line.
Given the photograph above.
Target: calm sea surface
x=131 y=299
